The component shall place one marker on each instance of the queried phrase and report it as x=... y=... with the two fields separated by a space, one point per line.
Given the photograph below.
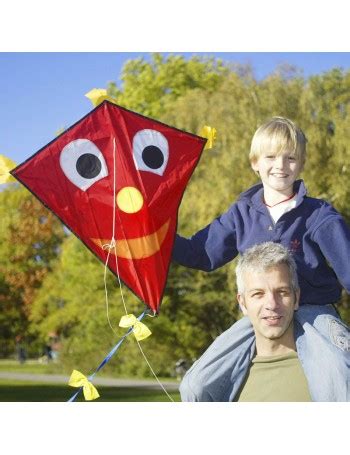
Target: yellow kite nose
x=129 y=199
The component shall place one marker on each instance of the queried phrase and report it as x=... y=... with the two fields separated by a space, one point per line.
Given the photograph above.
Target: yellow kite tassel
x=5 y=167
x=98 y=95
x=209 y=133
x=141 y=331
x=77 y=379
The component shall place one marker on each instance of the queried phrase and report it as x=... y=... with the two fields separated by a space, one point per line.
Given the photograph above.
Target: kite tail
x=108 y=357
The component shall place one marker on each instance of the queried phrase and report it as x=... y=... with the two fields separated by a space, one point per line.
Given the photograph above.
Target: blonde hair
x=276 y=136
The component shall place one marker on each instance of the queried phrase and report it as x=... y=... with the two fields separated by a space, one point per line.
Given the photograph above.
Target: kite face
x=117 y=174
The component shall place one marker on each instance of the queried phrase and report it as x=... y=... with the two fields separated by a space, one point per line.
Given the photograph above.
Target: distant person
x=48 y=352
x=268 y=294
x=279 y=210
x=181 y=366
x=20 y=350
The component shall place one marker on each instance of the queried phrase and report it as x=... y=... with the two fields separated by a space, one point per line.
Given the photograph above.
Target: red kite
x=118 y=172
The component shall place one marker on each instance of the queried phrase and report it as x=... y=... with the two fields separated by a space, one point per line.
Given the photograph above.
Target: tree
x=148 y=87
x=30 y=240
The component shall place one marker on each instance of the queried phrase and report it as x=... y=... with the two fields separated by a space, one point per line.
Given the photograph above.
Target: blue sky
x=42 y=92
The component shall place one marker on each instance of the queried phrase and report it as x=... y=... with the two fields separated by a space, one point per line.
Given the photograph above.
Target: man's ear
x=241 y=303
x=297 y=298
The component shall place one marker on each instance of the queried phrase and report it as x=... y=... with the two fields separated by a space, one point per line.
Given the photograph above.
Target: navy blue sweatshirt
x=314 y=232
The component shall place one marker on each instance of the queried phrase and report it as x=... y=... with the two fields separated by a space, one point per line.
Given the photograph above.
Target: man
x=268 y=294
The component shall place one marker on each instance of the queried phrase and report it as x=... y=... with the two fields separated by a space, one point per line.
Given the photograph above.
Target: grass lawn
x=18 y=390
x=31 y=392
x=30 y=366
x=33 y=366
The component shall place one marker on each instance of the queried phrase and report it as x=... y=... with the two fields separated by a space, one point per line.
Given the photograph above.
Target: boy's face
x=278 y=172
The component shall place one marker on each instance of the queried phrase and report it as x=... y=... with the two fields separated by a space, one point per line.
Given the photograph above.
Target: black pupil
x=153 y=157
x=88 y=165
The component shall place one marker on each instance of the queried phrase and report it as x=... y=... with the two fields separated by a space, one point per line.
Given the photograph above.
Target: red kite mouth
x=136 y=248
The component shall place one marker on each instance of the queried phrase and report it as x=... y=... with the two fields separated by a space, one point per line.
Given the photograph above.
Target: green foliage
x=29 y=244
x=69 y=296
x=150 y=86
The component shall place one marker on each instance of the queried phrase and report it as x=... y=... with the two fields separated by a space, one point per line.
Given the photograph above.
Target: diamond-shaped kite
x=117 y=175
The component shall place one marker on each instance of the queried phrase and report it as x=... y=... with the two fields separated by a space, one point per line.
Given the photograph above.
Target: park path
x=115 y=382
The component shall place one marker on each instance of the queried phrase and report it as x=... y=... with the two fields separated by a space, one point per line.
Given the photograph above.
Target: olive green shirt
x=275 y=378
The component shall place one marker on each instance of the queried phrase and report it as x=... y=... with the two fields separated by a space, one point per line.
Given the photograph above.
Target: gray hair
x=262 y=257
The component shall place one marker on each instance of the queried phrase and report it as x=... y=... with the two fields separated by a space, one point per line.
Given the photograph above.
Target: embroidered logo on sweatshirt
x=295 y=246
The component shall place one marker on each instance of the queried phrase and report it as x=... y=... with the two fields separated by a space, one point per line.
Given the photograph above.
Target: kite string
x=106 y=294
x=113 y=222
x=113 y=245
x=154 y=374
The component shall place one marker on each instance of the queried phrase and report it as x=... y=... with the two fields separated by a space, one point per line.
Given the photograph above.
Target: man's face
x=278 y=172
x=269 y=301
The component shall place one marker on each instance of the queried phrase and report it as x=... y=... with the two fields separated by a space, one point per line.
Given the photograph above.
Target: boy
x=277 y=210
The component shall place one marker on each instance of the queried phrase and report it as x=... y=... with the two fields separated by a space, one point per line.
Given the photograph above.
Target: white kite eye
x=83 y=163
x=150 y=151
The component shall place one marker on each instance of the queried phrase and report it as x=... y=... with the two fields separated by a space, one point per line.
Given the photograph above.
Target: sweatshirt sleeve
x=333 y=238
x=209 y=248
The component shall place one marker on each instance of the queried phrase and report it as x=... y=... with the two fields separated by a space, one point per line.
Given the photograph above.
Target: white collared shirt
x=283 y=207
